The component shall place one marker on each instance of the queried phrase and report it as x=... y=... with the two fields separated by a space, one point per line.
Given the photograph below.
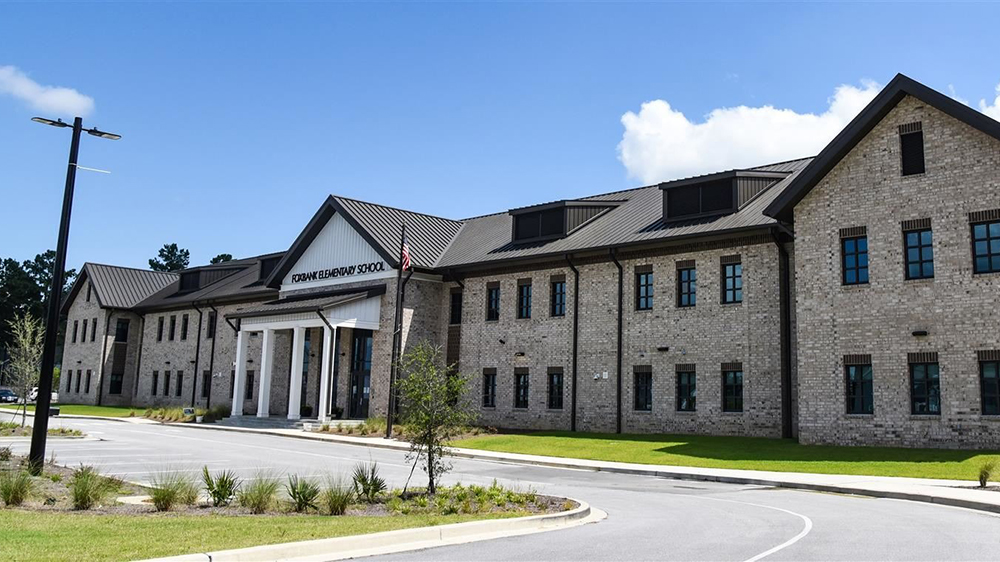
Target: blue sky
x=238 y=119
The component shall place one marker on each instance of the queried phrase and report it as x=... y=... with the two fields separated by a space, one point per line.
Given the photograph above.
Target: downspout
x=197 y=359
x=211 y=357
x=104 y=351
x=576 y=333
x=786 y=336
x=618 y=393
x=138 y=359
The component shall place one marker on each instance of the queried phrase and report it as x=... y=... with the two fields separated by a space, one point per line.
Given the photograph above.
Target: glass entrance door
x=361 y=372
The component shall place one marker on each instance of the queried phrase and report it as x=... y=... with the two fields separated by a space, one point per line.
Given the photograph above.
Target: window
x=911 y=147
x=555 y=388
x=456 y=308
x=989 y=383
x=493 y=302
x=78 y=378
x=704 y=199
x=88 y=292
x=173 y=328
x=206 y=383
x=687 y=391
x=76 y=326
x=489 y=388
x=642 y=376
x=732 y=280
x=919 y=253
x=69 y=381
x=524 y=298
x=854 y=251
x=86 y=386
x=184 y=327
x=93 y=329
x=210 y=329
x=121 y=331
x=986 y=247
x=180 y=383
x=644 y=287
x=156 y=382
x=159 y=329
x=687 y=278
x=115 y=383
x=557 y=297
x=520 y=388
x=539 y=225
x=83 y=334
x=248 y=391
x=166 y=383
x=732 y=390
x=925 y=389
x=860 y=393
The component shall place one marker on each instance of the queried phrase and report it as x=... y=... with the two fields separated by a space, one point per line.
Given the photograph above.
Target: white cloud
x=994 y=109
x=661 y=143
x=50 y=99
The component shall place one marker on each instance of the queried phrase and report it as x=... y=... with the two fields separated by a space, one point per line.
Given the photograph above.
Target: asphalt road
x=648 y=518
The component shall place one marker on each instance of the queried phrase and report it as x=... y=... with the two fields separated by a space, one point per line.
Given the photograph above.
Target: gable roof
x=900 y=86
x=119 y=287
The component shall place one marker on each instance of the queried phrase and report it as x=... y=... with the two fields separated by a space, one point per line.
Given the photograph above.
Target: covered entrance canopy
x=356 y=307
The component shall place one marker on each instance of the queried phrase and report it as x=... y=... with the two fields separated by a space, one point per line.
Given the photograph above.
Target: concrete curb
x=388 y=542
x=126 y=419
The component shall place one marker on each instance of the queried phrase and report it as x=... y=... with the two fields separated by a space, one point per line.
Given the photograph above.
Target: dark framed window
x=83 y=334
x=88 y=292
x=911 y=146
x=860 y=389
x=115 y=383
x=489 y=388
x=166 y=383
x=79 y=377
x=925 y=389
x=732 y=282
x=184 y=327
x=557 y=298
x=455 y=312
x=180 y=383
x=493 y=303
x=86 y=387
x=93 y=329
x=986 y=247
x=732 y=390
x=854 y=260
x=521 y=388
x=989 y=384
x=524 y=299
x=687 y=286
x=156 y=383
x=642 y=377
x=206 y=383
x=644 y=288
x=248 y=391
x=159 y=329
x=210 y=329
x=173 y=328
x=69 y=380
x=919 y=248
x=121 y=331
x=687 y=391
x=555 y=401
x=76 y=328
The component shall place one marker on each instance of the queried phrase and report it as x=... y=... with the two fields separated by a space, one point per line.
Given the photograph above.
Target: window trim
x=911 y=367
x=918 y=230
x=989 y=254
x=644 y=302
x=156 y=383
x=555 y=372
x=489 y=376
x=493 y=311
x=159 y=328
x=455 y=291
x=912 y=129
x=184 y=327
x=557 y=307
x=691 y=284
x=724 y=263
x=850 y=398
x=995 y=361
x=857 y=253
x=524 y=297
x=691 y=385
x=518 y=374
x=726 y=370
x=93 y=331
x=645 y=371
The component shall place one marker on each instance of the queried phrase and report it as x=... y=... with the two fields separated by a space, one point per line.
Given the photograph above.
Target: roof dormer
x=551 y=221
x=714 y=195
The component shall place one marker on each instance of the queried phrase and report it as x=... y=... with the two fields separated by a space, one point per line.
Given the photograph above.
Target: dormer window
x=550 y=221
x=189 y=281
x=715 y=194
x=542 y=224
x=267 y=266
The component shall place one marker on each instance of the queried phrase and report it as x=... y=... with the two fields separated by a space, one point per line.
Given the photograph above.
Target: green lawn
x=85 y=410
x=748 y=453
x=32 y=535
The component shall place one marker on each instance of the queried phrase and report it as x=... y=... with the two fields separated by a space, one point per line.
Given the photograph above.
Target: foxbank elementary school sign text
x=345 y=271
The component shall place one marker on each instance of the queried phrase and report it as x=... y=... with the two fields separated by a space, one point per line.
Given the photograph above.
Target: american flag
x=405 y=254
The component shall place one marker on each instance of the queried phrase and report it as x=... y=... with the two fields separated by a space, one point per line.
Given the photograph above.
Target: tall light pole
x=36 y=457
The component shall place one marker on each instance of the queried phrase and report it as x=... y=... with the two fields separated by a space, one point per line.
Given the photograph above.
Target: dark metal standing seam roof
x=125 y=287
x=240 y=284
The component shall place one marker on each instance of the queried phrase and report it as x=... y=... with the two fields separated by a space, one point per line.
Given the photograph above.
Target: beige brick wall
x=83 y=355
x=956 y=307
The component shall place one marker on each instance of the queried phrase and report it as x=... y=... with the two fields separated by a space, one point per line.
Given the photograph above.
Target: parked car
x=33 y=396
x=8 y=396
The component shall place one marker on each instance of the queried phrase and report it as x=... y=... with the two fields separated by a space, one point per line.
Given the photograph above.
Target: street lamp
x=36 y=457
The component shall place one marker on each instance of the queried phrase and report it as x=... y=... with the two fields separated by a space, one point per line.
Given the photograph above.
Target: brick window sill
x=732 y=413
x=729 y=304
x=554 y=410
x=859 y=416
x=642 y=412
x=918 y=280
x=686 y=412
x=925 y=417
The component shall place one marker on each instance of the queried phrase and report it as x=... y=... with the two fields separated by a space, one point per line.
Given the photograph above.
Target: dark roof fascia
x=362 y=292
x=563 y=203
x=900 y=86
x=731 y=174
x=326 y=211
x=372 y=290
x=75 y=290
x=256 y=296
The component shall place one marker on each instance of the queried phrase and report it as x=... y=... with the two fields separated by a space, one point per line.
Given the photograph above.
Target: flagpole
x=397 y=328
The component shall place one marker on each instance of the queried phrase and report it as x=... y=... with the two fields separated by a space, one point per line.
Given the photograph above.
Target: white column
x=295 y=378
x=266 y=364
x=241 y=374
x=324 y=377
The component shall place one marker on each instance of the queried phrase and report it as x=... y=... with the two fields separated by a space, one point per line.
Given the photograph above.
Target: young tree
x=25 y=355
x=222 y=258
x=170 y=258
x=434 y=407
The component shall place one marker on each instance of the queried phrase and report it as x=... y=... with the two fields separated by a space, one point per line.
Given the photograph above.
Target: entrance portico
x=327 y=314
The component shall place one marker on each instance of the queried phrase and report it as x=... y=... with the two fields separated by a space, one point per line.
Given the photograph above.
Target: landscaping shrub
x=367 y=483
x=302 y=492
x=337 y=496
x=5 y=454
x=259 y=494
x=986 y=472
x=221 y=488
x=172 y=488
x=215 y=413
x=88 y=488
x=15 y=487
